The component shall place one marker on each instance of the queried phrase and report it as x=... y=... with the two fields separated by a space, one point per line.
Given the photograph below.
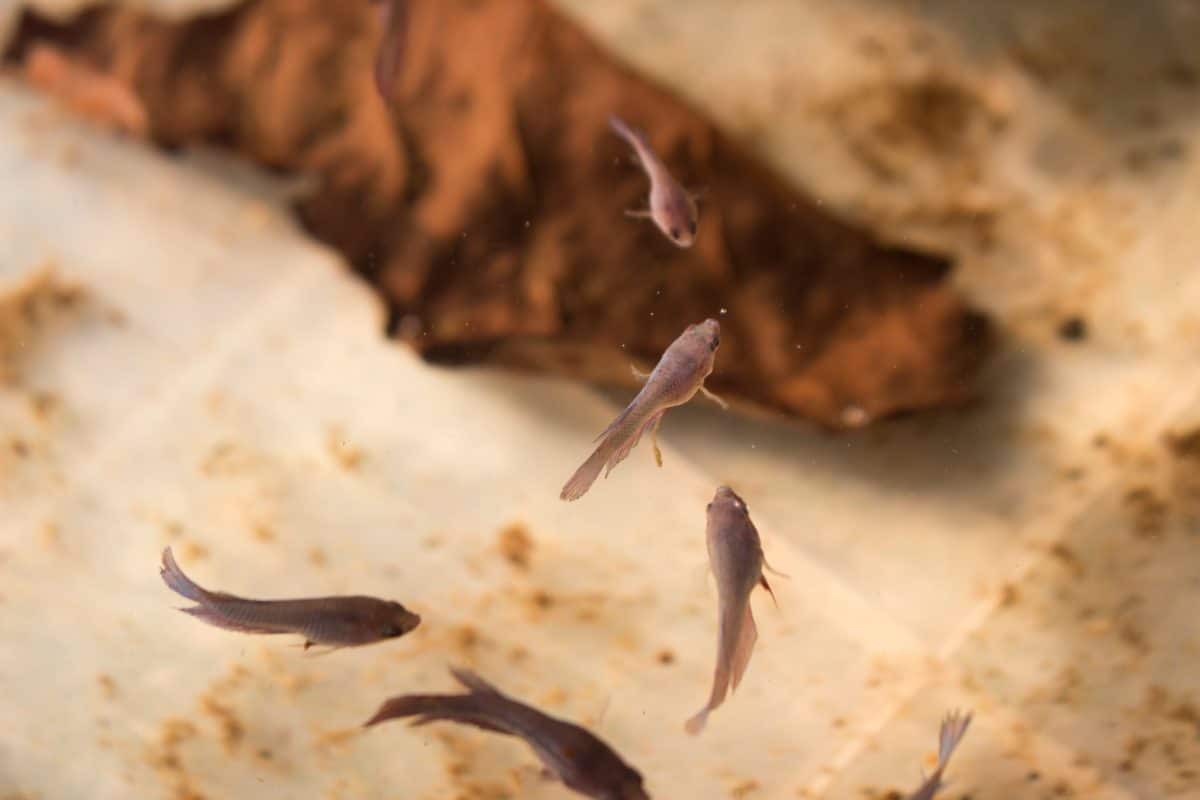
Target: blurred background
x=322 y=341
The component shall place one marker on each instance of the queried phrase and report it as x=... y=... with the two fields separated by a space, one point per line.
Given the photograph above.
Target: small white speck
x=724 y=311
x=652 y=313
x=526 y=223
x=854 y=416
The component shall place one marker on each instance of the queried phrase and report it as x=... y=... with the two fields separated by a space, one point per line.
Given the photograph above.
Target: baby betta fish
x=575 y=756
x=344 y=621
x=679 y=374
x=672 y=208
x=736 y=556
x=954 y=727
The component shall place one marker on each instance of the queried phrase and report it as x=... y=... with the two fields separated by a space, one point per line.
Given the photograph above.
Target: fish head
x=708 y=332
x=633 y=790
x=726 y=500
x=394 y=620
x=626 y=785
x=678 y=222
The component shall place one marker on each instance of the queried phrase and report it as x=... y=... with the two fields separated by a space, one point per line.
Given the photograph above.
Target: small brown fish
x=572 y=754
x=679 y=374
x=390 y=59
x=954 y=727
x=344 y=621
x=672 y=208
x=736 y=555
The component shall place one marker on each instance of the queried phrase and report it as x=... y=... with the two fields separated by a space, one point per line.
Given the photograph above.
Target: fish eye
x=674 y=233
x=391 y=631
x=692 y=227
x=716 y=342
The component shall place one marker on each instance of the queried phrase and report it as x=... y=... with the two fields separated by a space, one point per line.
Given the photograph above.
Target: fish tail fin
x=735 y=643
x=616 y=442
x=585 y=476
x=470 y=709
x=954 y=727
x=631 y=442
x=744 y=648
x=620 y=128
x=178 y=582
x=696 y=722
x=425 y=707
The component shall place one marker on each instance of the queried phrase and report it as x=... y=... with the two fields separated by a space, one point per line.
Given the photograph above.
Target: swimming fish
x=572 y=754
x=736 y=555
x=390 y=58
x=672 y=208
x=343 y=621
x=679 y=374
x=954 y=727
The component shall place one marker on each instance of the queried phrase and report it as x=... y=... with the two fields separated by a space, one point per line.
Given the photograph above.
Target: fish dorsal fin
x=472 y=681
x=762 y=581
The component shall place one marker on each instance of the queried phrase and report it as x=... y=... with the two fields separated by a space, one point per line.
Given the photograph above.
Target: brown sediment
x=1148 y=511
x=486 y=204
x=516 y=545
x=230 y=728
x=347 y=456
x=29 y=309
x=1066 y=556
x=165 y=756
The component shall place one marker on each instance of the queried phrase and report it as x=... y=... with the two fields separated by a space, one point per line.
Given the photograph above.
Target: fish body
x=953 y=728
x=736 y=556
x=575 y=756
x=340 y=621
x=679 y=374
x=672 y=208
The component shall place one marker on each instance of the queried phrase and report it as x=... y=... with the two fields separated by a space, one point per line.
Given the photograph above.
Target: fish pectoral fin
x=639 y=213
x=744 y=649
x=637 y=373
x=762 y=581
x=654 y=438
x=698 y=195
x=320 y=649
x=704 y=390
